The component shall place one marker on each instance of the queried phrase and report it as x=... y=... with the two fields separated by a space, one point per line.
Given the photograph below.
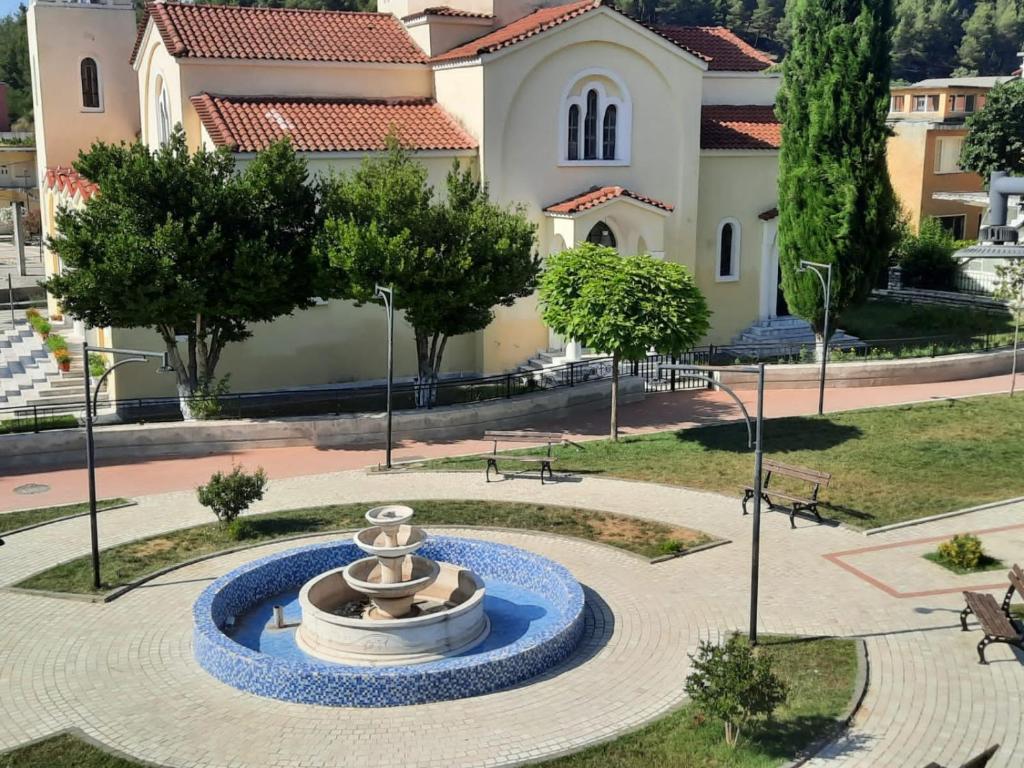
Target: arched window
x=728 y=251
x=590 y=127
x=601 y=234
x=90 y=84
x=608 y=133
x=573 y=148
x=595 y=119
x=163 y=113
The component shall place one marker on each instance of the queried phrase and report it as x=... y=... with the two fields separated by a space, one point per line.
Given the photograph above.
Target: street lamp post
x=826 y=287
x=139 y=356
x=754 y=438
x=387 y=295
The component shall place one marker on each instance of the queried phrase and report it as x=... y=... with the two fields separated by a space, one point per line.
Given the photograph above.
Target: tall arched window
x=90 y=84
x=573 y=148
x=608 y=132
x=590 y=127
x=728 y=255
x=601 y=234
x=596 y=119
x=163 y=113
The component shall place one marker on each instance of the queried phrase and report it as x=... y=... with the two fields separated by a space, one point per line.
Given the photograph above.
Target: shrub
x=205 y=404
x=228 y=495
x=39 y=323
x=56 y=342
x=733 y=683
x=97 y=365
x=32 y=312
x=241 y=529
x=963 y=551
x=927 y=257
x=670 y=546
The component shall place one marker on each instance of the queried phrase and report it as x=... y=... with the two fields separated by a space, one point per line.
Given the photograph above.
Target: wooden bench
x=545 y=460
x=1016 y=578
x=809 y=501
x=978 y=761
x=994 y=623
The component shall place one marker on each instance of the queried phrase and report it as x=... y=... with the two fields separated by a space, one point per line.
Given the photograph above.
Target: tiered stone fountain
x=418 y=609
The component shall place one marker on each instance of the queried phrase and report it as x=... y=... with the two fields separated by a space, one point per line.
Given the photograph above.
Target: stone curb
x=691 y=551
x=860 y=689
x=32 y=527
x=942 y=516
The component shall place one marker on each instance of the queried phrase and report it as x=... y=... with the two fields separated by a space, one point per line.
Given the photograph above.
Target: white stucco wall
x=741 y=88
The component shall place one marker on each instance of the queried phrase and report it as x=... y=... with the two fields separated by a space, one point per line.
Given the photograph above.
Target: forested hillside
x=933 y=38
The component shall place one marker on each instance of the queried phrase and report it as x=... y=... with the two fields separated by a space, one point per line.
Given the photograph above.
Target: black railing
x=782 y=352
x=976 y=282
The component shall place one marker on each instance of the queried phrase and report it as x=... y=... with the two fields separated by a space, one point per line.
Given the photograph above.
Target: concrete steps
x=780 y=337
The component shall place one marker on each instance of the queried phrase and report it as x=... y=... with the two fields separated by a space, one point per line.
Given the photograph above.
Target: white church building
x=658 y=140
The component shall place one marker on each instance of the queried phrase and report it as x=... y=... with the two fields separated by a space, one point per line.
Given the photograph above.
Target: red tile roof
x=745 y=127
x=724 y=50
x=279 y=34
x=520 y=29
x=251 y=123
x=443 y=10
x=70 y=182
x=599 y=196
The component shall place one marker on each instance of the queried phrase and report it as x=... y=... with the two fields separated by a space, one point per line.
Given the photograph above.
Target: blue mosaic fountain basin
x=304 y=679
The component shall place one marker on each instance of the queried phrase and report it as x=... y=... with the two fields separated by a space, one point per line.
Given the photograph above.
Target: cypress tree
x=835 y=200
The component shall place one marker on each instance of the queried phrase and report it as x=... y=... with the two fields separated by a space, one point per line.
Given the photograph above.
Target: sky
x=8 y=6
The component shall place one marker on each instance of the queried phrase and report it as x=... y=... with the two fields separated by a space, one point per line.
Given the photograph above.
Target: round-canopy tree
x=995 y=138
x=623 y=306
x=183 y=244
x=449 y=261
x=836 y=205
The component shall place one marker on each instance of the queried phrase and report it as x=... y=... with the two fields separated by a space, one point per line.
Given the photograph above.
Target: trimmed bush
x=734 y=684
x=56 y=342
x=228 y=495
x=927 y=258
x=963 y=551
x=97 y=365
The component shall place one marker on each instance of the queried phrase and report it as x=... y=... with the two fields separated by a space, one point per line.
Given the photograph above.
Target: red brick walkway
x=656 y=413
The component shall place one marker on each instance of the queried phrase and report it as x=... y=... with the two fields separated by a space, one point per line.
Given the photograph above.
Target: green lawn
x=27 y=424
x=64 y=751
x=985 y=564
x=888 y=464
x=820 y=674
x=127 y=562
x=896 y=320
x=10 y=521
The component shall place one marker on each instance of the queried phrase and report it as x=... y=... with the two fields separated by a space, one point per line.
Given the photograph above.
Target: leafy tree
x=186 y=246
x=14 y=64
x=835 y=200
x=449 y=262
x=733 y=683
x=1011 y=288
x=622 y=305
x=995 y=138
x=979 y=51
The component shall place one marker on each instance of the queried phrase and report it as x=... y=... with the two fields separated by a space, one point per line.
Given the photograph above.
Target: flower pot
x=65 y=366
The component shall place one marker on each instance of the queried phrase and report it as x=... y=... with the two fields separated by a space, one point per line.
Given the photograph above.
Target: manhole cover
x=30 y=489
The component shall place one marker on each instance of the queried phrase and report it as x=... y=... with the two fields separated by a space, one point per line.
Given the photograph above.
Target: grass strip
x=888 y=465
x=125 y=563
x=820 y=672
x=12 y=521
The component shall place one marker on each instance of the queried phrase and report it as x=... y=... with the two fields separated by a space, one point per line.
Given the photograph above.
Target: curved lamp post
x=826 y=287
x=139 y=356
x=754 y=440
x=387 y=295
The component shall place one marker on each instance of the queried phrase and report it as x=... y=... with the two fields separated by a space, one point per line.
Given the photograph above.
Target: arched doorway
x=601 y=234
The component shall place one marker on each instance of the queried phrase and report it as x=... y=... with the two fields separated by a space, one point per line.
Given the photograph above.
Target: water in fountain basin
x=514 y=613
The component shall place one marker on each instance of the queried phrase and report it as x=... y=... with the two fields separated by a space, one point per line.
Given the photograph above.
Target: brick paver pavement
x=124 y=673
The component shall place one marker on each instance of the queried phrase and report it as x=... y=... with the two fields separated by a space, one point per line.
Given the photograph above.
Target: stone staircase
x=553 y=358
x=29 y=375
x=781 y=337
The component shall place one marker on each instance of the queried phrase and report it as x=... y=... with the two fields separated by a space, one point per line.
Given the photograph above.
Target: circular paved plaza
x=124 y=673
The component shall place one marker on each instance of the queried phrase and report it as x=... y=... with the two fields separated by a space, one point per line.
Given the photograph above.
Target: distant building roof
x=959 y=82
x=252 y=123
x=279 y=34
x=724 y=50
x=752 y=127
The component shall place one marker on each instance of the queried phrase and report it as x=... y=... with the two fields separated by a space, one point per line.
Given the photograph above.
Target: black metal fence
x=864 y=349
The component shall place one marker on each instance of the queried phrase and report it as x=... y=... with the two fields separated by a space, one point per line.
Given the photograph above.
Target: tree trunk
x=429 y=351
x=732 y=734
x=615 y=397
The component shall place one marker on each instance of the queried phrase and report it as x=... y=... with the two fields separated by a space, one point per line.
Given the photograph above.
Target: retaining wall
x=880 y=373
x=66 y=447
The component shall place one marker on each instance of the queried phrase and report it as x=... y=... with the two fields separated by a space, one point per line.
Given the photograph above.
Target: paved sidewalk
x=124 y=671
x=657 y=412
